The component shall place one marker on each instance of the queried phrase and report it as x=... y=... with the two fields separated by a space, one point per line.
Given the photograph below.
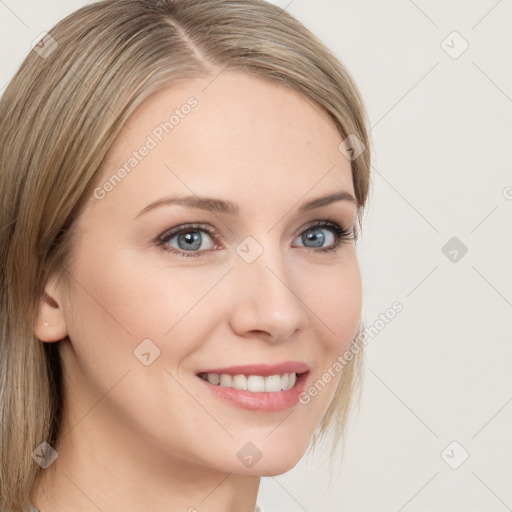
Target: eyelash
x=342 y=235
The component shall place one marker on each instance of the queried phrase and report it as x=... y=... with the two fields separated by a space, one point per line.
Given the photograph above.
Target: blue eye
x=190 y=238
x=314 y=235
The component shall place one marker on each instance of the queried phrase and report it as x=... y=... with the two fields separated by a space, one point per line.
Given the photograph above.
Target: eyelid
x=198 y=226
x=324 y=221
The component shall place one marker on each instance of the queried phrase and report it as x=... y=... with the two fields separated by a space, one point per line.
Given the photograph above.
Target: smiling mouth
x=253 y=383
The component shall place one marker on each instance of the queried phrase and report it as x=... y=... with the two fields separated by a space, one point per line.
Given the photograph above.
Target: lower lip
x=262 y=401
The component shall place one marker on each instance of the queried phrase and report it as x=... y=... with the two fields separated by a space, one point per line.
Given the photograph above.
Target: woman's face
x=222 y=288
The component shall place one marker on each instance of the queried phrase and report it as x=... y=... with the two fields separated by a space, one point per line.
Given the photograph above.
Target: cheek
x=114 y=304
x=121 y=298
x=335 y=299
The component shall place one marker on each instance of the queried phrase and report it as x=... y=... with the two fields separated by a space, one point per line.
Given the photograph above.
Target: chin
x=273 y=467
x=277 y=467
x=274 y=461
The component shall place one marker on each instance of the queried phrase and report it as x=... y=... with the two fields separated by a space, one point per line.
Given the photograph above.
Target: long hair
x=58 y=117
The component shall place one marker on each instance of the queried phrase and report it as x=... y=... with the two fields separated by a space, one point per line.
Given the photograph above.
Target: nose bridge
x=266 y=292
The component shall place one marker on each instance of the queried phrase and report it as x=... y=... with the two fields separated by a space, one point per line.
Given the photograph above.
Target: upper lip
x=262 y=369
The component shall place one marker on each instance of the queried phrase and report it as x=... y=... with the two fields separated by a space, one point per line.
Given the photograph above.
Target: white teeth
x=214 y=378
x=226 y=380
x=254 y=383
x=291 y=380
x=240 y=382
x=273 y=382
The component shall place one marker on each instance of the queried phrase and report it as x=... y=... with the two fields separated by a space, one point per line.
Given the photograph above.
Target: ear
x=50 y=323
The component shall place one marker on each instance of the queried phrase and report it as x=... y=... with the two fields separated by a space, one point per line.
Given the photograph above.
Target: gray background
x=437 y=381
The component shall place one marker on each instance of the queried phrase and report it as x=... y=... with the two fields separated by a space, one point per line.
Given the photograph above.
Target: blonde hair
x=59 y=115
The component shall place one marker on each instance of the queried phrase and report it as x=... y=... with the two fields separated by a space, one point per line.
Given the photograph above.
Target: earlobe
x=50 y=323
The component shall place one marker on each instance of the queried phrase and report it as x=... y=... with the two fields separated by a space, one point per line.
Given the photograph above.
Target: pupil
x=192 y=239
x=316 y=236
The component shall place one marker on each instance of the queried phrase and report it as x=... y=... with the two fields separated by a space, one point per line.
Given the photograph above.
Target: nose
x=268 y=301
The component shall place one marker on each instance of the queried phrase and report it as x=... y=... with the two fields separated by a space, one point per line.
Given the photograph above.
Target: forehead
x=235 y=134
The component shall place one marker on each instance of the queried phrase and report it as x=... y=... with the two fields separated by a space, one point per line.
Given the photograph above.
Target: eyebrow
x=230 y=208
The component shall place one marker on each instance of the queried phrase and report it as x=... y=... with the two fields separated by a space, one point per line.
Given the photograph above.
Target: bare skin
x=136 y=437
